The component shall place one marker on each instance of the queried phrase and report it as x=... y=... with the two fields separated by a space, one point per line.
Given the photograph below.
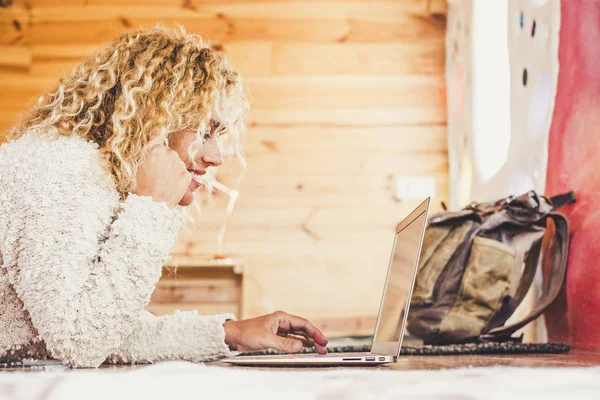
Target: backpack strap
x=532 y=259
x=562 y=199
x=531 y=264
x=558 y=259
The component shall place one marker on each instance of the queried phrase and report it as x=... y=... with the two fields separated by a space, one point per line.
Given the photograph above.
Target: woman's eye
x=206 y=136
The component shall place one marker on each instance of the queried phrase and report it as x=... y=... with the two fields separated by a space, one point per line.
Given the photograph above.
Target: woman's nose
x=212 y=153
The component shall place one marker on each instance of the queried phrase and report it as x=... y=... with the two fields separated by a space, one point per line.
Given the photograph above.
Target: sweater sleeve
x=85 y=287
x=184 y=335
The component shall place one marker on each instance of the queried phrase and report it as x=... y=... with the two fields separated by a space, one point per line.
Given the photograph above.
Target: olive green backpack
x=478 y=264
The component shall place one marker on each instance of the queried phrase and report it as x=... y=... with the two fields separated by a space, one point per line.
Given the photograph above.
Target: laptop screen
x=406 y=250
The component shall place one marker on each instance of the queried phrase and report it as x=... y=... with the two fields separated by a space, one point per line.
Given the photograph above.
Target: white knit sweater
x=78 y=266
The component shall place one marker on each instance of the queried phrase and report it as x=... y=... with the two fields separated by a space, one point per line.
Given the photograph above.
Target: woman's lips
x=196 y=177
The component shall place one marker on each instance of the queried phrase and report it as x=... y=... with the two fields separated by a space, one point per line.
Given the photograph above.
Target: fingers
x=288 y=344
x=301 y=327
x=291 y=323
x=320 y=349
x=306 y=342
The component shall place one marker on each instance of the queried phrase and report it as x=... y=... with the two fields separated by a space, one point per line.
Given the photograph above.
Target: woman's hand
x=162 y=176
x=279 y=331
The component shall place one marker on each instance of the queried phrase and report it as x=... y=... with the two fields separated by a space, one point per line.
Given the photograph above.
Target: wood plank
x=251 y=58
x=322 y=221
x=283 y=242
x=377 y=9
x=197 y=291
x=263 y=59
x=99 y=24
x=55 y=61
x=14 y=26
x=23 y=88
x=15 y=59
x=347 y=164
x=339 y=139
x=42 y=53
x=347 y=91
x=19 y=102
x=291 y=241
x=302 y=192
x=260 y=8
x=371 y=115
x=399 y=58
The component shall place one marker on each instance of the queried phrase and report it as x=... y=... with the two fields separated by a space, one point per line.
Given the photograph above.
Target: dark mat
x=482 y=348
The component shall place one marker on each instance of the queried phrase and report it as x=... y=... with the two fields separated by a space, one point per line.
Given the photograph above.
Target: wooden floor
x=573 y=359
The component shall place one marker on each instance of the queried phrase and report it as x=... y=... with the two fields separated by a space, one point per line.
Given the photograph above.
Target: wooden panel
x=412 y=57
x=357 y=163
x=372 y=114
x=14 y=26
x=272 y=8
x=347 y=92
x=196 y=291
x=15 y=58
x=19 y=91
x=276 y=8
x=55 y=25
x=351 y=139
x=325 y=190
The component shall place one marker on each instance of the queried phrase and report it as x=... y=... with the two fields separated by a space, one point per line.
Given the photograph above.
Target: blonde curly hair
x=143 y=85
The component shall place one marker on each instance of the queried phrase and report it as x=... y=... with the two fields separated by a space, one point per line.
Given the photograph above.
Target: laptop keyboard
x=330 y=350
x=331 y=354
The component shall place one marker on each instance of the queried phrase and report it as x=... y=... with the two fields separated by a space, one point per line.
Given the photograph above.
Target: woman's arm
x=184 y=335
x=84 y=296
x=188 y=336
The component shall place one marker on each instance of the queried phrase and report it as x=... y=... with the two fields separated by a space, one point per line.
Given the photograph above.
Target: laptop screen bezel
x=393 y=348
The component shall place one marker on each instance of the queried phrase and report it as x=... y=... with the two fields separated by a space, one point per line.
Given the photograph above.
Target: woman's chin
x=188 y=198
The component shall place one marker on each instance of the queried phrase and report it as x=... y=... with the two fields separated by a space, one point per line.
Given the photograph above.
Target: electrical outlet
x=414 y=187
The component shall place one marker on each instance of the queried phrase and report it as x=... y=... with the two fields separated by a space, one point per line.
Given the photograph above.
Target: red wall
x=574 y=164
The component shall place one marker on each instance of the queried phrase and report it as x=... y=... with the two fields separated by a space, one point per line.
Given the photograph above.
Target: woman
x=94 y=180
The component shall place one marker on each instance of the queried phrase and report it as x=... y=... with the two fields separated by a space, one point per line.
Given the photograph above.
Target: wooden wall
x=346 y=94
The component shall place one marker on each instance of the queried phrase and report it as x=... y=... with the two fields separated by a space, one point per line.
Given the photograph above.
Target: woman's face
x=197 y=158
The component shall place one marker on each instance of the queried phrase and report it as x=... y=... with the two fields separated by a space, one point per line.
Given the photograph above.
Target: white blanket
x=181 y=380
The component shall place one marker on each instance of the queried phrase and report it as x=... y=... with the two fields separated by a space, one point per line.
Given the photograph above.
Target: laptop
x=393 y=310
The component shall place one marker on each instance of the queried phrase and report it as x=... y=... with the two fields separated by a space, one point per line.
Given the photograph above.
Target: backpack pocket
x=484 y=284
x=439 y=244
